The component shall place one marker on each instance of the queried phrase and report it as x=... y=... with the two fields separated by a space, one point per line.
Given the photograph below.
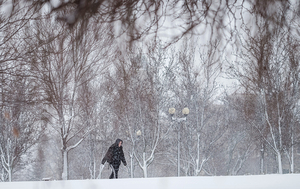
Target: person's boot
x=111 y=176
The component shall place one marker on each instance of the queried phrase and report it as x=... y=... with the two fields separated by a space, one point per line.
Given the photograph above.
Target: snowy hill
x=289 y=181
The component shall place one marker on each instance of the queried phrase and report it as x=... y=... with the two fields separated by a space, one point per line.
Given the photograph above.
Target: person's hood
x=118 y=141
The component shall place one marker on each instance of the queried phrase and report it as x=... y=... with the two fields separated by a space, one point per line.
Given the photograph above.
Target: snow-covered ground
x=288 y=181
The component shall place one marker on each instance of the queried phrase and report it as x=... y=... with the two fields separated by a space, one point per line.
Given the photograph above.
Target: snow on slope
x=288 y=181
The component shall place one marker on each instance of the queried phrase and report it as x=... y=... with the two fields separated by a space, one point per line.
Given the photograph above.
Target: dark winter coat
x=115 y=155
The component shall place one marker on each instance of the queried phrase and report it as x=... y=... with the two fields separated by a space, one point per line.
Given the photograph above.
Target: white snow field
x=287 y=181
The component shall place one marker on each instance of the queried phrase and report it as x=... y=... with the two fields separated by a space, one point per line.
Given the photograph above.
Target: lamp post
x=185 y=112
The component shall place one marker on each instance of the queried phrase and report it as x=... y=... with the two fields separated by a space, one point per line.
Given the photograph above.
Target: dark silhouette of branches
x=140 y=18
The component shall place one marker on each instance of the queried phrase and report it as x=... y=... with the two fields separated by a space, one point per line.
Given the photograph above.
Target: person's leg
x=116 y=171
x=112 y=175
x=112 y=172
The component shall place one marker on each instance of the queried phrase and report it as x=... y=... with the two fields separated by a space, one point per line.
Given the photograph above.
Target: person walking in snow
x=114 y=156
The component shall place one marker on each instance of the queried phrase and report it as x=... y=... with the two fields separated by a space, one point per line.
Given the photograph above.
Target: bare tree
x=62 y=66
x=21 y=114
x=138 y=99
x=264 y=69
x=240 y=139
x=95 y=111
x=21 y=121
x=198 y=79
x=140 y=18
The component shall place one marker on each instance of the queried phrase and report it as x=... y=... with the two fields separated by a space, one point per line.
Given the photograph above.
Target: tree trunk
x=262 y=156
x=279 y=162
x=145 y=166
x=65 y=165
x=9 y=173
x=292 y=158
x=178 y=151
x=131 y=166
